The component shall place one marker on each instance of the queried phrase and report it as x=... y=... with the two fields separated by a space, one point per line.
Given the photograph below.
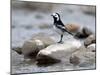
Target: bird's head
x=56 y=16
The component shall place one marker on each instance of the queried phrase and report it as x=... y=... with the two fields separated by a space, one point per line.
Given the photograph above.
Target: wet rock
x=57 y=52
x=16 y=58
x=83 y=33
x=74 y=60
x=30 y=49
x=80 y=35
x=83 y=57
x=45 y=38
x=90 y=40
x=35 y=44
x=88 y=59
x=91 y=47
x=45 y=60
x=86 y=31
x=17 y=49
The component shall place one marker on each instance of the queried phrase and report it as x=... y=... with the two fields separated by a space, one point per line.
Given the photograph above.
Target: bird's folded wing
x=63 y=28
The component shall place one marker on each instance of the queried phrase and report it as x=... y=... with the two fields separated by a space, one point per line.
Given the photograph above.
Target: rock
x=83 y=57
x=17 y=49
x=74 y=60
x=45 y=60
x=79 y=35
x=57 y=52
x=45 y=38
x=30 y=49
x=83 y=33
x=91 y=47
x=86 y=31
x=90 y=40
x=35 y=44
x=88 y=59
x=16 y=58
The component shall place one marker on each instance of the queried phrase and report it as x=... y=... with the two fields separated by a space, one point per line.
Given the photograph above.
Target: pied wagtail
x=59 y=26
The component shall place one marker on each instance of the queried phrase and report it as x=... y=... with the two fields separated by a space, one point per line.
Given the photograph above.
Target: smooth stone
x=85 y=57
x=92 y=47
x=74 y=60
x=57 y=52
x=45 y=38
x=89 y=59
x=17 y=49
x=87 y=31
x=90 y=40
x=83 y=33
x=31 y=47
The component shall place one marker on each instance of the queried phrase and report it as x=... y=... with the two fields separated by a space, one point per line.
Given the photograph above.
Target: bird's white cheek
x=57 y=30
x=57 y=18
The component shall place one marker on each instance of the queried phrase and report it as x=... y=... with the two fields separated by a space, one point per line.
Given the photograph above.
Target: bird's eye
x=56 y=15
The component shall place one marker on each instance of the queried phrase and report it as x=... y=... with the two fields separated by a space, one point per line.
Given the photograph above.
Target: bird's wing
x=72 y=27
x=63 y=28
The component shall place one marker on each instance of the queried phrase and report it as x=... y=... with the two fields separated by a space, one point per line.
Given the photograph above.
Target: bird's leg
x=61 y=39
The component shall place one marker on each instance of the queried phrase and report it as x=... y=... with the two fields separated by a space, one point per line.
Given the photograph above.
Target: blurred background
x=30 y=18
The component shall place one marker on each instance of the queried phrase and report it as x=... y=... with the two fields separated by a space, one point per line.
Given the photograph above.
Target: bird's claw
x=61 y=42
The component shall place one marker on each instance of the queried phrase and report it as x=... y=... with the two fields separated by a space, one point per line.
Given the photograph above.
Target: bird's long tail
x=69 y=32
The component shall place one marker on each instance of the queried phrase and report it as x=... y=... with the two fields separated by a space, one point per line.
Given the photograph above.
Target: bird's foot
x=61 y=42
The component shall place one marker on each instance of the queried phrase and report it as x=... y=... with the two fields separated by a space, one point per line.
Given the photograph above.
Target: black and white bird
x=77 y=31
x=59 y=26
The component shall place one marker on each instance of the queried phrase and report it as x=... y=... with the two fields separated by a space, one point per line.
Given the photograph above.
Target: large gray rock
x=32 y=46
x=44 y=38
x=92 y=47
x=83 y=57
x=35 y=44
x=17 y=49
x=74 y=60
x=83 y=33
x=57 y=53
x=90 y=40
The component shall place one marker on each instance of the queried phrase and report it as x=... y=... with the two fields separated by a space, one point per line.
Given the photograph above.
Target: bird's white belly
x=57 y=30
